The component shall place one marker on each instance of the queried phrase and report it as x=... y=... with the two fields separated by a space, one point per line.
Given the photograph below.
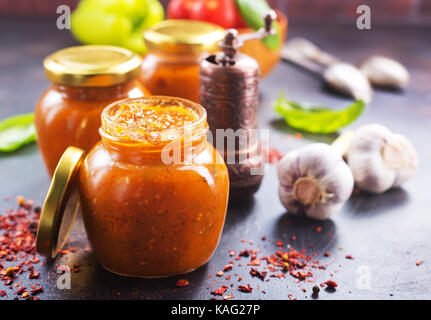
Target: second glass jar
x=171 y=68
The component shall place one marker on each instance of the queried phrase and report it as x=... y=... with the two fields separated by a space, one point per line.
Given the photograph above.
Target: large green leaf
x=317 y=119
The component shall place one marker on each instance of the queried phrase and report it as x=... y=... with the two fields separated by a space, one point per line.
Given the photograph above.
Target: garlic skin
x=314 y=181
x=379 y=159
x=385 y=72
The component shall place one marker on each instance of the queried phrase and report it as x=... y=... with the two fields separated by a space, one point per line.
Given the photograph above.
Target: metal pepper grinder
x=229 y=91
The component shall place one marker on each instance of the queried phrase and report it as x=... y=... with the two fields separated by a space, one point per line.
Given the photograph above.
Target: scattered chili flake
x=3 y=293
x=246 y=288
x=298 y=135
x=279 y=243
x=20 y=290
x=293 y=238
x=256 y=273
x=182 y=283
x=232 y=253
x=20 y=200
x=419 y=262
x=34 y=274
x=244 y=253
x=228 y=296
x=228 y=267
x=36 y=290
x=319 y=229
x=327 y=254
x=330 y=285
x=220 y=291
x=255 y=262
x=350 y=257
x=263 y=238
x=25 y=294
x=273 y=155
x=10 y=271
x=220 y=273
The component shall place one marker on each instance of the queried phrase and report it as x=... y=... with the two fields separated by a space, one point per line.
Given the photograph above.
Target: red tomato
x=180 y=9
x=221 y=12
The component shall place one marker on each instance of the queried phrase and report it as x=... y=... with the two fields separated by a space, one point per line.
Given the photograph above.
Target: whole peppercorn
x=316 y=291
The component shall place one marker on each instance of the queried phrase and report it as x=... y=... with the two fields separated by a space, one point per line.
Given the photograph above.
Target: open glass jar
x=171 y=67
x=84 y=80
x=153 y=192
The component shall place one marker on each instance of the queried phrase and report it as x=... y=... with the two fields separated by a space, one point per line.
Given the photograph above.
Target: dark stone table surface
x=385 y=233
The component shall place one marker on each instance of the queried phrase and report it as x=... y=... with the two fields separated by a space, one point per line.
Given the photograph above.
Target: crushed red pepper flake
x=182 y=283
x=228 y=296
x=228 y=267
x=220 y=291
x=20 y=290
x=273 y=155
x=330 y=285
x=350 y=257
x=18 y=227
x=33 y=274
x=419 y=262
x=255 y=262
x=256 y=273
x=220 y=273
x=244 y=288
x=36 y=290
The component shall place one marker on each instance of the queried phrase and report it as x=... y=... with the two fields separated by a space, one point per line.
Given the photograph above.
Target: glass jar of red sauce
x=171 y=67
x=84 y=80
x=153 y=192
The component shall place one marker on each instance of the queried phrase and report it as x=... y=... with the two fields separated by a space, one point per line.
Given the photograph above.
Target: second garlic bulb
x=314 y=180
x=380 y=159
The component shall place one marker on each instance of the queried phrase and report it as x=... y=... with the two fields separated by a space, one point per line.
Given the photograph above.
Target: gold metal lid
x=92 y=65
x=61 y=204
x=183 y=37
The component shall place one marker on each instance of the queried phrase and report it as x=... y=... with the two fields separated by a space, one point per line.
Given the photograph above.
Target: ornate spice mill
x=229 y=91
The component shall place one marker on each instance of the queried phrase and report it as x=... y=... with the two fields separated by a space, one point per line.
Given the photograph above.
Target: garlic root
x=379 y=159
x=314 y=181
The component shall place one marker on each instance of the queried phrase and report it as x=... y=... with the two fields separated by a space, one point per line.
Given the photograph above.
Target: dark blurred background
x=382 y=11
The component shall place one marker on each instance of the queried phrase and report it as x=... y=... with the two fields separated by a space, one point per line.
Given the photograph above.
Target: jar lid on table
x=183 y=37
x=92 y=65
x=61 y=204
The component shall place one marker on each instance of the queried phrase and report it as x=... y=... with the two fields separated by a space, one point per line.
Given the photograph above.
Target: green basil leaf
x=253 y=13
x=317 y=119
x=17 y=131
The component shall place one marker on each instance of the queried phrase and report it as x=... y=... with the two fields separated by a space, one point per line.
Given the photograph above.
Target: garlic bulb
x=385 y=72
x=380 y=159
x=314 y=180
